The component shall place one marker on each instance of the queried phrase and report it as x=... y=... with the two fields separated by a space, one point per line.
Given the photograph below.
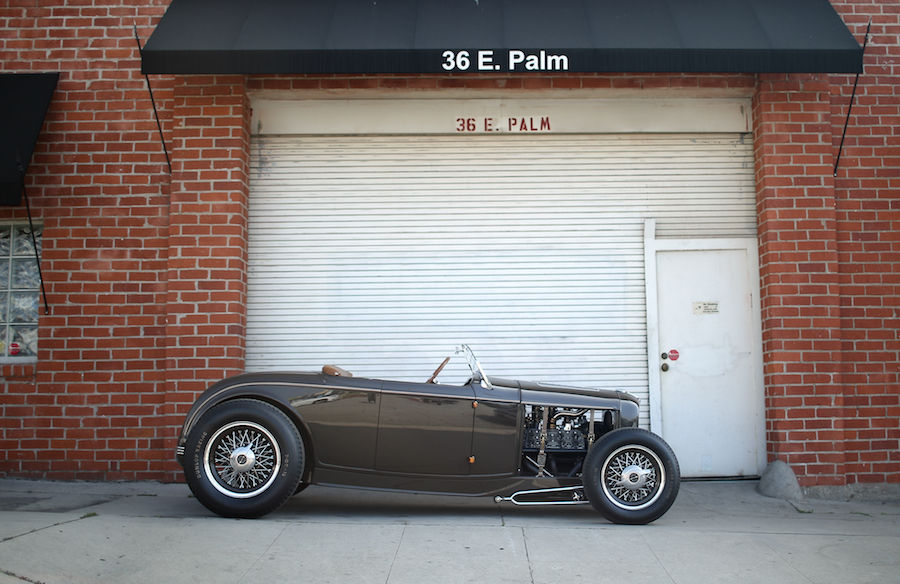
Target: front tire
x=631 y=476
x=244 y=458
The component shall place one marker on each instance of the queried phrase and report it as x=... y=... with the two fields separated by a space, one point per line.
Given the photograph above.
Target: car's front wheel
x=631 y=476
x=244 y=458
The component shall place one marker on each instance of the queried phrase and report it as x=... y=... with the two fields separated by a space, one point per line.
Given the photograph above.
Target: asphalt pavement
x=73 y=532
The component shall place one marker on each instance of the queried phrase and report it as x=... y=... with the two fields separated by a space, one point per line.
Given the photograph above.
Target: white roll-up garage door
x=382 y=253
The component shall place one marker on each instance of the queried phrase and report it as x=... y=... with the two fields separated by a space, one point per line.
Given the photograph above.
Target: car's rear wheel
x=631 y=476
x=245 y=458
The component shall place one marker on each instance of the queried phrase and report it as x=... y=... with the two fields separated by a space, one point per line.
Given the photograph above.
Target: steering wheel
x=438 y=370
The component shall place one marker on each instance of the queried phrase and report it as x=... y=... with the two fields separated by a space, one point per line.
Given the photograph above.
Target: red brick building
x=149 y=274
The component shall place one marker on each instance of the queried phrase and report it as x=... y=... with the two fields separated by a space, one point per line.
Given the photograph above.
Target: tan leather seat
x=335 y=371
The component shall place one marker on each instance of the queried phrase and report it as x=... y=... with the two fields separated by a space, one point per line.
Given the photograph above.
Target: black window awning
x=472 y=36
x=24 y=100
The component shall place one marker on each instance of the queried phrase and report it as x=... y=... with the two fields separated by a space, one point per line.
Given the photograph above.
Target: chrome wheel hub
x=242 y=459
x=634 y=478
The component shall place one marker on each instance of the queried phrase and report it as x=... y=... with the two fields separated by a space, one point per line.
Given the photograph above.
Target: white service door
x=712 y=404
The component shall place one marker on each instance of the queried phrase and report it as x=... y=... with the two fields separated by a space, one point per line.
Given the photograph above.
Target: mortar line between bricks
x=12 y=537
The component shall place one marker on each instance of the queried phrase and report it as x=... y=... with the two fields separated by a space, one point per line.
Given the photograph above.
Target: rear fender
x=219 y=394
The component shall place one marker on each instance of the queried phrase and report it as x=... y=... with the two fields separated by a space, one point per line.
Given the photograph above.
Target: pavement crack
x=39 y=529
x=22 y=578
x=527 y=555
x=263 y=554
x=657 y=558
x=396 y=554
x=786 y=559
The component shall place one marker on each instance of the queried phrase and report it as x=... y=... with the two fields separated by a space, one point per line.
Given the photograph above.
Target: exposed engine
x=555 y=440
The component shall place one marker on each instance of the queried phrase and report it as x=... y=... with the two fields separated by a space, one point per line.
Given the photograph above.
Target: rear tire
x=631 y=476
x=244 y=458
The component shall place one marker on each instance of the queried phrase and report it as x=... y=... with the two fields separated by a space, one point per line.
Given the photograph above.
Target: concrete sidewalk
x=54 y=532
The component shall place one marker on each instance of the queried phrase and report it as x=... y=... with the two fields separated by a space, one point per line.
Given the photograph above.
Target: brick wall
x=829 y=250
x=146 y=271
x=99 y=185
x=868 y=243
x=799 y=284
x=206 y=304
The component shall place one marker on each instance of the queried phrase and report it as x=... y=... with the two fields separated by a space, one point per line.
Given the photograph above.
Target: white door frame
x=652 y=245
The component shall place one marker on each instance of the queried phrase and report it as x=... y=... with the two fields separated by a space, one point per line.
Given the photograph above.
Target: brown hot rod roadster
x=251 y=441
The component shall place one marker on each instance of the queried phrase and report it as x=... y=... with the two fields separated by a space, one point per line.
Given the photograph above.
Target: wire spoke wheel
x=242 y=459
x=633 y=477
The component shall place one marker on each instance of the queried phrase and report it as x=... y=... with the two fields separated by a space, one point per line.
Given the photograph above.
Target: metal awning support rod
x=837 y=160
x=152 y=100
x=37 y=256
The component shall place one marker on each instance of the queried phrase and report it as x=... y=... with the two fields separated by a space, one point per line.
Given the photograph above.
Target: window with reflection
x=19 y=292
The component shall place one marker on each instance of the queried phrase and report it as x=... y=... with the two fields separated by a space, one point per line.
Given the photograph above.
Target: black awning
x=441 y=36
x=24 y=100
